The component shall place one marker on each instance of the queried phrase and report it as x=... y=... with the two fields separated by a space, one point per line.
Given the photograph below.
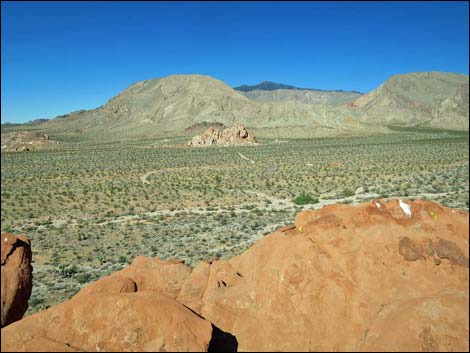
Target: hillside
x=277 y=92
x=433 y=99
x=174 y=105
x=302 y=96
x=389 y=275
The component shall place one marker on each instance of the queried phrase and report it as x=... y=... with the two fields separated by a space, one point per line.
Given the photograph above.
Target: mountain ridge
x=271 y=86
x=172 y=105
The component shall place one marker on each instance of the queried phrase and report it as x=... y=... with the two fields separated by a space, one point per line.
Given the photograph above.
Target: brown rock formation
x=235 y=135
x=373 y=277
x=17 y=277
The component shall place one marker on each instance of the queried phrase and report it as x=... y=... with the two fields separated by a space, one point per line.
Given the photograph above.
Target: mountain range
x=272 y=86
x=174 y=105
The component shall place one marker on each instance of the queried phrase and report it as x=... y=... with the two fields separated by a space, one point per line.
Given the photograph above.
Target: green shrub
x=83 y=278
x=348 y=192
x=67 y=271
x=305 y=199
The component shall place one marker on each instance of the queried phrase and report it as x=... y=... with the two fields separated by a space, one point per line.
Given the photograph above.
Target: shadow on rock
x=222 y=341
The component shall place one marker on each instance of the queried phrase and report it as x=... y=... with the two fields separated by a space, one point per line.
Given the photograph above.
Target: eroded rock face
x=17 y=277
x=342 y=272
x=132 y=310
x=235 y=135
x=373 y=277
x=164 y=277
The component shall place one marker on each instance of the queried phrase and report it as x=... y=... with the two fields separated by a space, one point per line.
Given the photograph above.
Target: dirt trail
x=144 y=177
x=274 y=204
x=246 y=158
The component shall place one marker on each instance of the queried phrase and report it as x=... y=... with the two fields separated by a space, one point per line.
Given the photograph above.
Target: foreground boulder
x=17 y=277
x=144 y=321
x=378 y=276
x=342 y=278
x=132 y=310
x=235 y=135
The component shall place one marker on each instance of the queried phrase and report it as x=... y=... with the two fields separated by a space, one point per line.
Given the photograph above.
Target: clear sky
x=58 y=57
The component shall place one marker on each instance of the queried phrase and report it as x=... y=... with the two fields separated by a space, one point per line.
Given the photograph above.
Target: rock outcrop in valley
x=235 y=135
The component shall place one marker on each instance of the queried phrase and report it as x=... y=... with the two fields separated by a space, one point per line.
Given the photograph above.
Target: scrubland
x=90 y=209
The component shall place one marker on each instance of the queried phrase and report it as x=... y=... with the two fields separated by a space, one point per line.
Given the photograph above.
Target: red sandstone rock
x=323 y=288
x=17 y=277
x=144 y=321
x=165 y=277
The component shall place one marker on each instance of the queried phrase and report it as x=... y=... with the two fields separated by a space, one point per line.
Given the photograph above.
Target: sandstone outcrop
x=378 y=276
x=132 y=310
x=144 y=321
x=17 y=277
x=235 y=135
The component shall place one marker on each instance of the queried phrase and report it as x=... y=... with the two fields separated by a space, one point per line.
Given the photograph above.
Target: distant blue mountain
x=271 y=86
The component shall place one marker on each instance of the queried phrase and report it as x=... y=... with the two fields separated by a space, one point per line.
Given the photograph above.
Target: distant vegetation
x=426 y=130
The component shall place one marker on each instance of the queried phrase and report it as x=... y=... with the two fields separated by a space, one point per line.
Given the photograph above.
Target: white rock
x=405 y=207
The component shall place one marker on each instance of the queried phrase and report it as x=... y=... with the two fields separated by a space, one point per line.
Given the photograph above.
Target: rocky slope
x=175 y=104
x=235 y=135
x=378 y=276
x=17 y=277
x=434 y=99
x=329 y=98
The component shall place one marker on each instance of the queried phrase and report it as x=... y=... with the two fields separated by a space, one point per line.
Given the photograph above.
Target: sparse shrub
x=67 y=271
x=83 y=278
x=348 y=192
x=305 y=199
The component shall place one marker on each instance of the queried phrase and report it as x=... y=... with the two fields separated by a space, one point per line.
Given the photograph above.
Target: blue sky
x=59 y=57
